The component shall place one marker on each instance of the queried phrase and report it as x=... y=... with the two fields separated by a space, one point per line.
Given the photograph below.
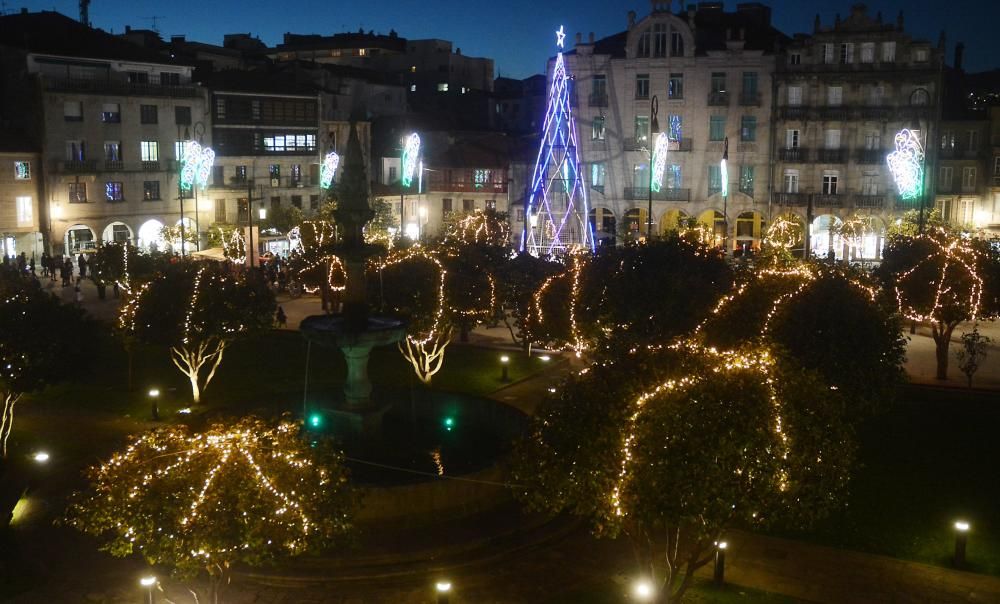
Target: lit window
x=25 y=211
x=22 y=170
x=150 y=150
x=113 y=191
x=442 y=86
x=413 y=87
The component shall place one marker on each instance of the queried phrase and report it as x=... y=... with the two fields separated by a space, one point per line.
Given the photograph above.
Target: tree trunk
x=9 y=400
x=942 y=342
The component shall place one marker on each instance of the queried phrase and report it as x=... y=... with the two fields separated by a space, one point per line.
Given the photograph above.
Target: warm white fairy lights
x=952 y=289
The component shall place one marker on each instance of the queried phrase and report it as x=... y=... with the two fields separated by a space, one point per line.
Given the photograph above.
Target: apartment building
x=842 y=94
x=20 y=194
x=108 y=118
x=701 y=75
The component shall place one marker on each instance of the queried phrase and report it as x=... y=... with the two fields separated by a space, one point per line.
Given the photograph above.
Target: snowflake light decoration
x=328 y=169
x=660 y=148
x=196 y=165
x=411 y=151
x=907 y=164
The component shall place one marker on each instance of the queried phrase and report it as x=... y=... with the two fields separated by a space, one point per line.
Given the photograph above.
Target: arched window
x=920 y=98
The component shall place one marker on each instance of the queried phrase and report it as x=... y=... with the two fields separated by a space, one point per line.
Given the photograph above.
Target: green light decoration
x=196 y=165
x=328 y=169
x=907 y=164
x=660 y=149
x=411 y=153
x=315 y=420
x=449 y=423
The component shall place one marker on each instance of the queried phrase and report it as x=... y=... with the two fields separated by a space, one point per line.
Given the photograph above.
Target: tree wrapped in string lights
x=557 y=211
x=314 y=263
x=251 y=493
x=938 y=278
x=196 y=311
x=695 y=442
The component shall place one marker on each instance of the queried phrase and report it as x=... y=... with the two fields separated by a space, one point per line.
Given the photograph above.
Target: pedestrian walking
x=82 y=263
x=280 y=318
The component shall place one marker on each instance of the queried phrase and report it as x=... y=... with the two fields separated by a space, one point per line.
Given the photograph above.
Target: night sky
x=517 y=34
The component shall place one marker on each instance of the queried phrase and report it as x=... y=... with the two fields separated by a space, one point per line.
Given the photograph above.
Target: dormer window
x=660 y=40
x=642 y=50
x=676 y=44
x=920 y=55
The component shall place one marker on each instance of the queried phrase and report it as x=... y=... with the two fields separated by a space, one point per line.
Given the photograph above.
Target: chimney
x=24 y=10
x=631 y=19
x=458 y=51
x=959 y=52
x=579 y=38
x=591 y=38
x=128 y=29
x=816 y=24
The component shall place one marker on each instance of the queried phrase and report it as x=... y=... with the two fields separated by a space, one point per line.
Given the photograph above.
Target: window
x=111 y=113
x=297 y=201
x=795 y=95
x=275 y=202
x=25 y=211
x=828 y=53
x=112 y=151
x=846 y=53
x=640 y=176
x=76 y=151
x=274 y=171
x=920 y=97
x=888 y=52
x=289 y=143
x=831 y=139
x=148 y=114
x=675 y=126
x=834 y=96
x=873 y=140
x=468 y=205
x=442 y=86
x=966 y=211
x=519 y=215
x=947 y=140
x=673 y=175
x=392 y=174
x=218 y=176
x=660 y=40
x=73 y=111
x=791 y=139
x=220 y=108
x=599 y=87
x=972 y=138
x=113 y=191
x=945 y=180
x=791 y=181
x=182 y=116
x=78 y=192
x=597 y=130
x=968 y=178
x=445 y=207
x=241 y=173
x=642 y=50
x=150 y=150
x=877 y=95
x=137 y=77
x=717 y=128
x=151 y=190
x=746 y=180
x=170 y=79
x=795 y=58
x=413 y=87
x=718 y=81
x=314 y=202
x=920 y=55
x=597 y=174
x=22 y=170
x=869 y=183
x=748 y=128
x=714 y=179
x=220 y=210
x=675 y=86
x=296 y=173
x=676 y=44
x=868 y=52
x=996 y=166
x=830 y=179
x=641 y=129
x=750 y=85
x=642 y=86
x=491 y=204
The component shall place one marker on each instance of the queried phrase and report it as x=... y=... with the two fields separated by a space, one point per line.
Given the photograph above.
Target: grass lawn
x=926 y=463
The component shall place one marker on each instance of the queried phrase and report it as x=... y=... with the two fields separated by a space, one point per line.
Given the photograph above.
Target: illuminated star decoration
x=196 y=165
x=558 y=196
x=328 y=169
x=560 y=37
x=411 y=151
x=660 y=148
x=907 y=164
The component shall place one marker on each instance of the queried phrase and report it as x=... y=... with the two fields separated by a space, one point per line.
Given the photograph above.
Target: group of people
x=54 y=267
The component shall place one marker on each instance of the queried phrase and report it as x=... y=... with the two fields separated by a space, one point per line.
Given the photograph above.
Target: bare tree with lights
x=197 y=311
x=252 y=493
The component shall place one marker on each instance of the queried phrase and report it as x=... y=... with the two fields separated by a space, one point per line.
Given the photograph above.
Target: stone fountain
x=355 y=331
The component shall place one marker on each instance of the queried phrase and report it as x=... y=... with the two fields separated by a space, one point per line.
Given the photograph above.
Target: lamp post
x=504 y=362
x=154 y=395
x=443 y=588
x=148 y=582
x=961 y=537
x=654 y=129
x=643 y=591
x=719 y=572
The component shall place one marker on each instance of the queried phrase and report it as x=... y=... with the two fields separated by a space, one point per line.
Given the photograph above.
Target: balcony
x=837 y=113
x=869 y=201
x=746 y=147
x=291 y=182
x=114 y=165
x=635 y=144
x=794 y=112
x=832 y=156
x=718 y=99
x=750 y=99
x=598 y=99
x=869 y=156
x=114 y=86
x=791 y=199
x=664 y=194
x=876 y=113
x=794 y=154
x=684 y=144
x=827 y=200
x=151 y=166
x=76 y=166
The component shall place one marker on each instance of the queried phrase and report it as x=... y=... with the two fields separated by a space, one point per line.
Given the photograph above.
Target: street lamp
x=149 y=582
x=654 y=129
x=719 y=573
x=40 y=457
x=443 y=588
x=643 y=590
x=961 y=536
x=154 y=394
x=504 y=361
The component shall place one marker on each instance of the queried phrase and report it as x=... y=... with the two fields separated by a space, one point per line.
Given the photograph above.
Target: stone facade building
x=20 y=194
x=841 y=96
x=701 y=75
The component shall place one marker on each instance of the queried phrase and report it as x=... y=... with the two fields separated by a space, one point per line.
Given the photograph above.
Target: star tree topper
x=560 y=36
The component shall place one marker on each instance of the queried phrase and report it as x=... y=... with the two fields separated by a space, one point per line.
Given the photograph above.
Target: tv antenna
x=153 y=24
